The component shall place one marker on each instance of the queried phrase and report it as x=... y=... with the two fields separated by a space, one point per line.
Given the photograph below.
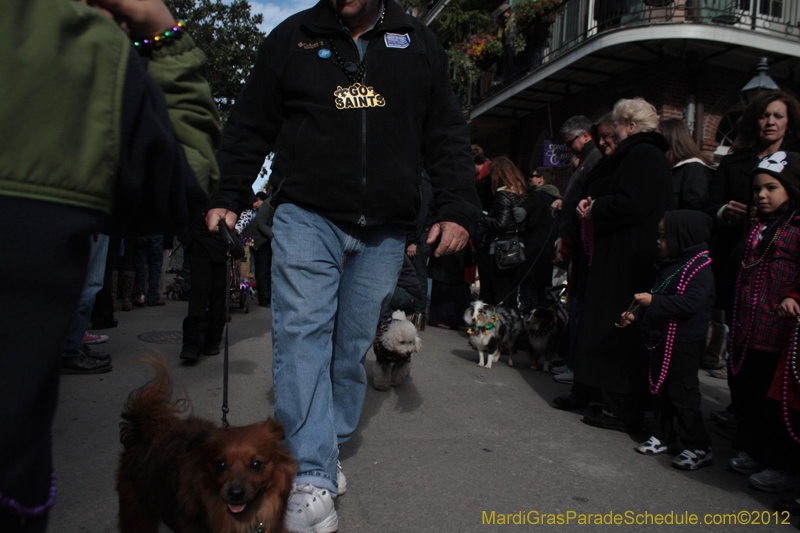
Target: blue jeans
x=329 y=282
x=94 y=282
x=152 y=252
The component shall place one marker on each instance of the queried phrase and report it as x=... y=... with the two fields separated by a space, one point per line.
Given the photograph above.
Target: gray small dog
x=395 y=341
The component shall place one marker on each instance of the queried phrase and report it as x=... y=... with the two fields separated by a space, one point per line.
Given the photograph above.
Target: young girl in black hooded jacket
x=674 y=319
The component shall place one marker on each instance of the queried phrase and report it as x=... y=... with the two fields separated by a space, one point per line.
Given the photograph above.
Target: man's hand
x=734 y=210
x=453 y=237
x=411 y=251
x=644 y=298
x=556 y=205
x=788 y=308
x=139 y=18
x=215 y=215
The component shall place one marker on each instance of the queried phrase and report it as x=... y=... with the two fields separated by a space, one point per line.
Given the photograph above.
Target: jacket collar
x=322 y=20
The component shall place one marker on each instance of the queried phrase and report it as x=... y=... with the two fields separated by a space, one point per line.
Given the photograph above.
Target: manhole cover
x=162 y=337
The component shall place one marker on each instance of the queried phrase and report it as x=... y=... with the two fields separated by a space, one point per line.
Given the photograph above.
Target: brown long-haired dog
x=194 y=476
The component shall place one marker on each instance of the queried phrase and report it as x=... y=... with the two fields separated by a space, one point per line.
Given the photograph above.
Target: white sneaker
x=341 y=481
x=565 y=377
x=559 y=369
x=310 y=510
x=90 y=338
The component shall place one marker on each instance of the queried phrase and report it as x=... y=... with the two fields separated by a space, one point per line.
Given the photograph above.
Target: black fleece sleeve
x=157 y=190
x=250 y=132
x=446 y=148
x=697 y=293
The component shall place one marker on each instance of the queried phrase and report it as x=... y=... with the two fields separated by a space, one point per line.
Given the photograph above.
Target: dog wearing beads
x=491 y=329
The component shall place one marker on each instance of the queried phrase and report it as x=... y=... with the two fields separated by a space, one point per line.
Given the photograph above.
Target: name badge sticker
x=396 y=40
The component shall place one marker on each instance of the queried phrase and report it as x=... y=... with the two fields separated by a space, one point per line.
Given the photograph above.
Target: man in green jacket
x=95 y=138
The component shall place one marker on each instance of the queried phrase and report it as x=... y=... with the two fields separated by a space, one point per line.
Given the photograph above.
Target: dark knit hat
x=784 y=167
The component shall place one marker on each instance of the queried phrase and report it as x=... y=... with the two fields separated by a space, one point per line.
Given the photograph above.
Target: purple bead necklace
x=758 y=284
x=791 y=366
x=587 y=236
x=669 y=341
x=26 y=512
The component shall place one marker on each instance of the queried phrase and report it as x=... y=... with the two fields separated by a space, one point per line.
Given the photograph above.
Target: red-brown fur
x=170 y=470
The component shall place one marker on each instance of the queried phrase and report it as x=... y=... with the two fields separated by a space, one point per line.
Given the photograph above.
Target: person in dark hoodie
x=674 y=319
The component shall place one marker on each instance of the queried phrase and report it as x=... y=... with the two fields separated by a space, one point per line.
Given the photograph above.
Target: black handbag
x=509 y=253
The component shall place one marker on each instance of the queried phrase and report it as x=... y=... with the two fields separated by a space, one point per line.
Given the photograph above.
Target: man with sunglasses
x=575 y=133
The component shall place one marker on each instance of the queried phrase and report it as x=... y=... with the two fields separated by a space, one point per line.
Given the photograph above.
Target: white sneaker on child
x=310 y=509
x=692 y=460
x=652 y=446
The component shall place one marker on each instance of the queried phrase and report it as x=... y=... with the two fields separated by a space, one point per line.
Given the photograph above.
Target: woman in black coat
x=620 y=220
x=691 y=172
x=770 y=123
x=508 y=185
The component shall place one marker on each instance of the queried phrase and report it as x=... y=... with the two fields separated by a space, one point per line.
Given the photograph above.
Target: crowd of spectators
x=668 y=259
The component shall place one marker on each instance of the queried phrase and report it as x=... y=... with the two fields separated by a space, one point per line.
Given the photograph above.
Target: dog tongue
x=236 y=508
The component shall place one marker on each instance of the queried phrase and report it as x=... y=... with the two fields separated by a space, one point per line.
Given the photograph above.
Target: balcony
x=592 y=40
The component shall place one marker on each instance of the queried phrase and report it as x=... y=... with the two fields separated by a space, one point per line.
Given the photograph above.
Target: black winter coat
x=540 y=235
x=691 y=181
x=352 y=152
x=731 y=183
x=630 y=199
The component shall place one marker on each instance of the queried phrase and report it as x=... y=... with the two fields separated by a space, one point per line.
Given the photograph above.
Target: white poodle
x=395 y=341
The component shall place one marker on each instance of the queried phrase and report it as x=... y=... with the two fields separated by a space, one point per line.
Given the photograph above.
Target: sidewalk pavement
x=456 y=448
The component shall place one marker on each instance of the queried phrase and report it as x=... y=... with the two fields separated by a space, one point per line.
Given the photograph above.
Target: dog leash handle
x=228 y=239
x=225 y=409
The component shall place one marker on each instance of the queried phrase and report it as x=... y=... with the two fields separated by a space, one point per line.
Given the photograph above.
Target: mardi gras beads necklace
x=735 y=364
x=587 y=236
x=669 y=339
x=791 y=367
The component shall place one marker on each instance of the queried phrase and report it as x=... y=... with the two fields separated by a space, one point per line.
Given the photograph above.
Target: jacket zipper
x=362 y=220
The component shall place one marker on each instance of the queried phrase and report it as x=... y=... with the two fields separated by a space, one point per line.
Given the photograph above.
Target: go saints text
x=357 y=96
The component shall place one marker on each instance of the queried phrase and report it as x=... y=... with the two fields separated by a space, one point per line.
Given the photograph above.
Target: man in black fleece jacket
x=354 y=98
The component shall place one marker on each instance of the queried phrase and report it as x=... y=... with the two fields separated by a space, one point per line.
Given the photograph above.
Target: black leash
x=539 y=255
x=230 y=243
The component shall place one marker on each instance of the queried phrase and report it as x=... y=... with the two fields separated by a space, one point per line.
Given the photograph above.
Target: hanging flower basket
x=530 y=15
x=549 y=18
x=484 y=51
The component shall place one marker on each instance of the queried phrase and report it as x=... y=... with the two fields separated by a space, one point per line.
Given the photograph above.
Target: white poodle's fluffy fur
x=393 y=349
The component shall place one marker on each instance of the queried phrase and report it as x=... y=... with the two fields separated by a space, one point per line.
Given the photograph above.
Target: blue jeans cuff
x=318 y=479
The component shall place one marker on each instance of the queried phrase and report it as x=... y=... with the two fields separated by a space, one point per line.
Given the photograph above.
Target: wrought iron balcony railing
x=580 y=20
